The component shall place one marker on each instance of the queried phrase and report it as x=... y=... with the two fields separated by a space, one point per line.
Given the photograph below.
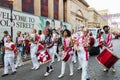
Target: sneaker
x=52 y=61
x=113 y=70
x=13 y=73
x=33 y=68
x=71 y=74
x=105 y=70
x=20 y=65
x=4 y=75
x=58 y=60
x=79 y=68
x=51 y=70
x=88 y=79
x=36 y=68
x=61 y=75
x=74 y=62
x=46 y=74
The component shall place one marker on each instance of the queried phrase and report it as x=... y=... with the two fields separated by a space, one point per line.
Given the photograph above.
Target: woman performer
x=67 y=45
x=48 y=45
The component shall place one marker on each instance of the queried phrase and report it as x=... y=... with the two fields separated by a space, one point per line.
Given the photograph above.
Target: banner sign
x=24 y=22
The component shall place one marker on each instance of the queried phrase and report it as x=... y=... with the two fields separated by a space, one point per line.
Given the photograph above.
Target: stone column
x=60 y=10
x=37 y=7
x=17 y=5
x=50 y=8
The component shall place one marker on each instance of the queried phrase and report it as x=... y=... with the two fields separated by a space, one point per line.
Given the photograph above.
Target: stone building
x=95 y=19
x=71 y=11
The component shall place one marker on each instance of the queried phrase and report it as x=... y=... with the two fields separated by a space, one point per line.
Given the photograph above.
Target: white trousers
x=64 y=65
x=33 y=51
x=79 y=60
x=7 y=61
x=19 y=61
x=74 y=57
x=84 y=64
x=54 y=48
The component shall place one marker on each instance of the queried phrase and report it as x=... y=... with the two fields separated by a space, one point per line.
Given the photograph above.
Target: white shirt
x=9 y=53
x=42 y=37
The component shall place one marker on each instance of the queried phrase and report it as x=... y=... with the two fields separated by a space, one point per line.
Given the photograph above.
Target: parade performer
x=55 y=39
x=19 y=44
x=67 y=54
x=34 y=38
x=74 y=38
x=9 y=56
x=105 y=40
x=48 y=45
x=83 y=44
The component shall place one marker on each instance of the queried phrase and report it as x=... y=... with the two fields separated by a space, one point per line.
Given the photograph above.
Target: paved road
x=96 y=71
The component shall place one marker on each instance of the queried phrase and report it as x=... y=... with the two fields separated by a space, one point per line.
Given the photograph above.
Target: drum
x=43 y=56
x=106 y=58
x=65 y=57
x=40 y=47
x=15 y=51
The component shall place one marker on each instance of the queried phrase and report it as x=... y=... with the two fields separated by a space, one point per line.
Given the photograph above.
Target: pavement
x=95 y=70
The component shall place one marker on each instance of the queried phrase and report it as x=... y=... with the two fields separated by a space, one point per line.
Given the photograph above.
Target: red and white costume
x=33 y=51
x=83 y=54
x=107 y=39
x=9 y=57
x=74 y=38
x=54 y=37
x=67 y=51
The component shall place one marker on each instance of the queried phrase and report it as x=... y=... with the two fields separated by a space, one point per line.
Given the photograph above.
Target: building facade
x=47 y=8
x=75 y=12
x=71 y=11
x=95 y=19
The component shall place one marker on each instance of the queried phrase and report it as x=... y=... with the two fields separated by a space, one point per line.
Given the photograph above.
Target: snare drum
x=40 y=47
x=65 y=57
x=43 y=56
x=106 y=58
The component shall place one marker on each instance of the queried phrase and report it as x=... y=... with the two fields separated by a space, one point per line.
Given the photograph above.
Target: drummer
x=67 y=45
x=106 y=40
x=83 y=44
x=48 y=45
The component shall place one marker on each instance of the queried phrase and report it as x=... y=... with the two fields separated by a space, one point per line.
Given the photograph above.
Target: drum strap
x=87 y=52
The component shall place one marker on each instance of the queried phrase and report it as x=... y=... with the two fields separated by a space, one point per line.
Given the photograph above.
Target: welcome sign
x=24 y=22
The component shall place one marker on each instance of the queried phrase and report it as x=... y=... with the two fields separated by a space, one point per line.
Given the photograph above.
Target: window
x=44 y=8
x=28 y=6
x=56 y=8
x=4 y=3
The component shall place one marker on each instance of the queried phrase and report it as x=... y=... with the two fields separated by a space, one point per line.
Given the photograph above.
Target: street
x=95 y=71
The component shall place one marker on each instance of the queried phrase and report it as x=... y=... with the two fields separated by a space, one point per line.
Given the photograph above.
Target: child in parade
x=9 y=56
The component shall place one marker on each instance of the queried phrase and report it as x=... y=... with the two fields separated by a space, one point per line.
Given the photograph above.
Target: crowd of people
x=68 y=46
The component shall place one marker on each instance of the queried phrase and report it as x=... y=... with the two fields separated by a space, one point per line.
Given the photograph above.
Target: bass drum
x=106 y=58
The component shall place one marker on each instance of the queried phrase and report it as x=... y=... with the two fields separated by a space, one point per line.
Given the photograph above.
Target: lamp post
x=11 y=18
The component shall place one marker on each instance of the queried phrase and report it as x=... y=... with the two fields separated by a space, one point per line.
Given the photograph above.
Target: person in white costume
x=34 y=38
x=55 y=39
x=67 y=45
x=74 y=37
x=9 y=57
x=83 y=44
